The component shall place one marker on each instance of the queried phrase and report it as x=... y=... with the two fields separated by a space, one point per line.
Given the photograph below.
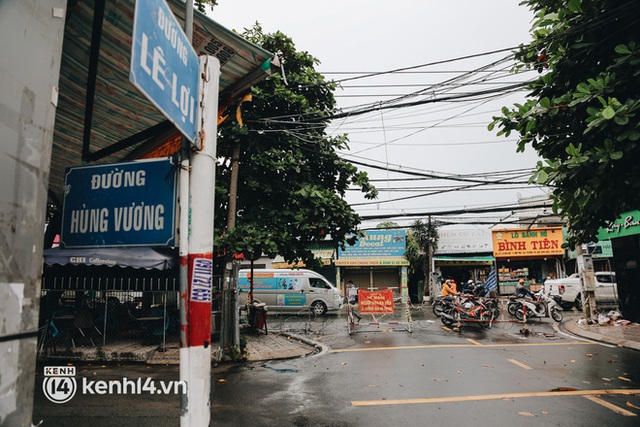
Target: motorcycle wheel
x=512 y=307
x=578 y=303
x=446 y=320
x=437 y=308
x=520 y=314
x=556 y=315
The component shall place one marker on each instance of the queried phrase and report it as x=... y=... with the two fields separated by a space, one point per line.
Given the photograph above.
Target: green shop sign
x=627 y=225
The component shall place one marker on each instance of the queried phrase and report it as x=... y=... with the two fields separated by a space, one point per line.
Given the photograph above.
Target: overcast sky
x=367 y=36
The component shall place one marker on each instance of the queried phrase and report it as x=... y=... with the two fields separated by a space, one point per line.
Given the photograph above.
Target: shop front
x=463 y=255
x=624 y=234
x=375 y=262
x=531 y=254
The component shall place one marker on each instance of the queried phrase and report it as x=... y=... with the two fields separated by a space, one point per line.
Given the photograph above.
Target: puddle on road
x=282 y=370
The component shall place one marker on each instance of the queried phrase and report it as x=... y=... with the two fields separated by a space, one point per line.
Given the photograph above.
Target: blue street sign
x=164 y=66
x=121 y=204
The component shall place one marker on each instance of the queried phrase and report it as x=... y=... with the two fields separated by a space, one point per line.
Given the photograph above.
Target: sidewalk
x=260 y=346
x=279 y=346
x=621 y=335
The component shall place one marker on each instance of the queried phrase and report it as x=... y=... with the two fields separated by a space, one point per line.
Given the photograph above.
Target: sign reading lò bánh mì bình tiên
x=527 y=242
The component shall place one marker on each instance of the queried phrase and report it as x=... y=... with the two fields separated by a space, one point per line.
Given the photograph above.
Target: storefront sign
x=627 y=225
x=374 y=302
x=345 y=262
x=376 y=244
x=120 y=204
x=528 y=242
x=602 y=249
x=466 y=241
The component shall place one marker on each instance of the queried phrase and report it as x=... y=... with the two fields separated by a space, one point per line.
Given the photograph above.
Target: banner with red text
x=375 y=302
x=527 y=242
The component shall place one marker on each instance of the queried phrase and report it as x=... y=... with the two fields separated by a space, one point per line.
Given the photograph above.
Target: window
x=605 y=278
x=318 y=283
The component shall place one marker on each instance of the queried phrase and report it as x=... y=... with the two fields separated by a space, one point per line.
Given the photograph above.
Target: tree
x=292 y=182
x=582 y=115
x=201 y=4
x=421 y=242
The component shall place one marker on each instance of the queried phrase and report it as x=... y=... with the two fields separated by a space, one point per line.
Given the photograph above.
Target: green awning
x=444 y=260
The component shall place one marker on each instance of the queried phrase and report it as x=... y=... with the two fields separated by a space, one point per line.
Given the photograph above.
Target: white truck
x=568 y=289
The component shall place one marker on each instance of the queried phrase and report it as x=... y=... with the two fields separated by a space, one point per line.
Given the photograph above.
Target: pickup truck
x=568 y=289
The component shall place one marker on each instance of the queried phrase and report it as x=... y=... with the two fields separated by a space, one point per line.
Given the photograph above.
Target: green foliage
x=292 y=183
x=420 y=236
x=201 y=4
x=583 y=112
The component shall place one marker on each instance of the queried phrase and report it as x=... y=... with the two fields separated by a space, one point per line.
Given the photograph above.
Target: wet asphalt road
x=383 y=375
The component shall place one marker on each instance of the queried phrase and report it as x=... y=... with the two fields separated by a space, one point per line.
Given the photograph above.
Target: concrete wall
x=31 y=34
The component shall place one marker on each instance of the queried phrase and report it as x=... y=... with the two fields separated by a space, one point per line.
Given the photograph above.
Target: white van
x=290 y=290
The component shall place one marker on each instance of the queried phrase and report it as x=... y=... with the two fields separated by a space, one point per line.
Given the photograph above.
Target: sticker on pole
x=201 y=280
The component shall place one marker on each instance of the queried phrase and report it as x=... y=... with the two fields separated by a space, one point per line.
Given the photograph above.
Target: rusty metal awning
x=101 y=117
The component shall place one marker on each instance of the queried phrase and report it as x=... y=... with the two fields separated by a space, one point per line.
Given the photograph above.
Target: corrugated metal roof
x=120 y=112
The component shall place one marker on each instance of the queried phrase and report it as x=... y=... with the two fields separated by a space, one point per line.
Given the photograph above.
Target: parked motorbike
x=439 y=304
x=465 y=309
x=514 y=304
x=493 y=304
x=543 y=307
x=515 y=301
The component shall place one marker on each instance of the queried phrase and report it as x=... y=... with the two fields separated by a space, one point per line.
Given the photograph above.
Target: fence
x=70 y=320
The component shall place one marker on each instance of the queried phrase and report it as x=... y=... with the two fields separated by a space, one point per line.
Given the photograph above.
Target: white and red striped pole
x=195 y=347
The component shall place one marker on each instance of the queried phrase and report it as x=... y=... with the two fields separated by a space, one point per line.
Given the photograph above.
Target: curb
x=322 y=348
x=572 y=327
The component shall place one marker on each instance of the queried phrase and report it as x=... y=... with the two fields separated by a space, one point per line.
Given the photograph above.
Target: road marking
x=417 y=347
x=446 y=329
x=611 y=406
x=502 y=396
x=474 y=342
x=522 y=365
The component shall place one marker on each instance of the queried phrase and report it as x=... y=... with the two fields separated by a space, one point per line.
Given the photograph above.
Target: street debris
x=558 y=389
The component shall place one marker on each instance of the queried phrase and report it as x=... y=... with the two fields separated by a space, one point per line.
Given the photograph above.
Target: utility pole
x=431 y=263
x=183 y=243
x=196 y=352
x=229 y=312
x=587 y=282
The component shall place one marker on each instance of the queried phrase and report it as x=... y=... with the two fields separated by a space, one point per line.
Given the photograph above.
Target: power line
x=504 y=208
x=429 y=64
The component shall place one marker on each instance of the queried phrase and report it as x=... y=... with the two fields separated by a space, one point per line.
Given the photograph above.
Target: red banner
x=371 y=302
